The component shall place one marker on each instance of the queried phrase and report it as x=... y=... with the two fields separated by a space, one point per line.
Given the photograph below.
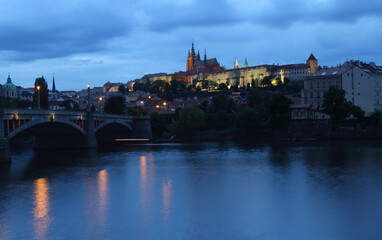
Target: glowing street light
x=38 y=96
x=88 y=97
x=100 y=103
x=164 y=104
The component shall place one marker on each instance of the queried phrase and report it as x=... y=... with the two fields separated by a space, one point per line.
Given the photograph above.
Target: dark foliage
x=44 y=93
x=115 y=105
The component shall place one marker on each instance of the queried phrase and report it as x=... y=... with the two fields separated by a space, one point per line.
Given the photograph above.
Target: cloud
x=51 y=30
x=167 y=16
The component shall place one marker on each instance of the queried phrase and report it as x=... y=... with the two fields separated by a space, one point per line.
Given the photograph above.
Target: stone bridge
x=69 y=129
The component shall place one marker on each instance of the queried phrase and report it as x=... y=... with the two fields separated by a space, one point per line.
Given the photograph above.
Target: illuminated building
x=194 y=61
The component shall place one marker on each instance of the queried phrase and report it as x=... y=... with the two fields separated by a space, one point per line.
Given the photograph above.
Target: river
x=317 y=190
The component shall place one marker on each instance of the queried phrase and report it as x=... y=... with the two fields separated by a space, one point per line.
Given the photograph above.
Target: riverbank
x=277 y=135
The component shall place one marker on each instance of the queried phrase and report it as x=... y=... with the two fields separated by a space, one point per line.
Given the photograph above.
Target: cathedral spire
x=236 y=64
x=53 y=85
x=205 y=55
x=245 y=63
x=193 y=49
x=198 y=54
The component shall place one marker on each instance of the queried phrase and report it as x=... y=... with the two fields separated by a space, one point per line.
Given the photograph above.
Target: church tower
x=236 y=64
x=53 y=86
x=245 y=63
x=192 y=57
x=312 y=64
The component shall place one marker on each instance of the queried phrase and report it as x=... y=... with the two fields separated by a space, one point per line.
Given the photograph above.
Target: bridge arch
x=110 y=122
x=36 y=122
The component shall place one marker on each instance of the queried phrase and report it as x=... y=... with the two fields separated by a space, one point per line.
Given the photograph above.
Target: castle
x=194 y=61
x=210 y=70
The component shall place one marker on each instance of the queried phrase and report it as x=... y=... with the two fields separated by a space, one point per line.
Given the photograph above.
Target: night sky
x=94 y=41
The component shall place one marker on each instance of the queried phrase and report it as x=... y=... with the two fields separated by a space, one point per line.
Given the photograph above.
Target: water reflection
x=102 y=178
x=4 y=228
x=166 y=192
x=143 y=178
x=146 y=190
x=42 y=220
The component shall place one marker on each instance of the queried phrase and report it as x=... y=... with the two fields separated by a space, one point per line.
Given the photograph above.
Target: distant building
x=112 y=87
x=306 y=111
x=361 y=82
x=9 y=89
x=194 y=61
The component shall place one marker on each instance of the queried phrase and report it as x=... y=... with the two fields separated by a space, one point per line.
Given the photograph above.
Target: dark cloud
x=53 y=34
x=270 y=13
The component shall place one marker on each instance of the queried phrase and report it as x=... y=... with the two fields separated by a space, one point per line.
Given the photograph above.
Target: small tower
x=53 y=86
x=245 y=63
x=9 y=80
x=312 y=64
x=205 y=55
x=236 y=64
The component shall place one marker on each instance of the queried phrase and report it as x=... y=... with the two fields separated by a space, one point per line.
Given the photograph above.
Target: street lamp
x=38 y=96
x=100 y=103
x=88 y=97
x=149 y=105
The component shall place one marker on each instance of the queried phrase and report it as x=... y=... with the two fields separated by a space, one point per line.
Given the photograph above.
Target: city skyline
x=86 y=42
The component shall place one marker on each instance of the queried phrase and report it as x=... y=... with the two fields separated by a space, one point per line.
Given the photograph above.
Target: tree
x=137 y=111
x=115 y=105
x=222 y=103
x=44 y=93
x=266 y=80
x=223 y=87
x=336 y=104
x=204 y=84
x=122 y=89
x=257 y=97
x=278 y=111
x=248 y=122
x=191 y=120
x=357 y=112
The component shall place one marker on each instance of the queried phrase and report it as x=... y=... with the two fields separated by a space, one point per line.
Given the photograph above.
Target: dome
x=9 y=85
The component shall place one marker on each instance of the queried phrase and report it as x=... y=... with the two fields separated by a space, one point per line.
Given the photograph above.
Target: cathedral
x=194 y=61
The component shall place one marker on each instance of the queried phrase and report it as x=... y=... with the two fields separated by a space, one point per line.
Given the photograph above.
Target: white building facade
x=361 y=82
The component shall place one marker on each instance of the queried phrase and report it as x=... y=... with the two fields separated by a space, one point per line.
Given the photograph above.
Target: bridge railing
x=9 y=112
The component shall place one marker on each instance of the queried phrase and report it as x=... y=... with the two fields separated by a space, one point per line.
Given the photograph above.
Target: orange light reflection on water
x=102 y=196
x=42 y=220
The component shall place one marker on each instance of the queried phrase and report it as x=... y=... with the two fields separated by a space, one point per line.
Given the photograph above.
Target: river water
x=229 y=190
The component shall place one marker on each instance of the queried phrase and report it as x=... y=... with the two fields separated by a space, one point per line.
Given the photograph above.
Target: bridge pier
x=91 y=139
x=142 y=128
x=5 y=152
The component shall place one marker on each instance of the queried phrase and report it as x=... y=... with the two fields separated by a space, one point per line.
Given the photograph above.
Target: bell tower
x=192 y=57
